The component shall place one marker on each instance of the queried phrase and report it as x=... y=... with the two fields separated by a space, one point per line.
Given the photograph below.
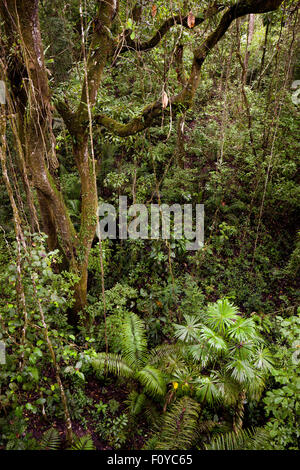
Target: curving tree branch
x=165 y=27
x=184 y=99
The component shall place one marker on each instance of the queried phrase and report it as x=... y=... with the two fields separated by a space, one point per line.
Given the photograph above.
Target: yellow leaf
x=154 y=11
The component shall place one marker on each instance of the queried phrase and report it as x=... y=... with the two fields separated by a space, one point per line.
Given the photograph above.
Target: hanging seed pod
x=165 y=100
x=154 y=10
x=191 y=20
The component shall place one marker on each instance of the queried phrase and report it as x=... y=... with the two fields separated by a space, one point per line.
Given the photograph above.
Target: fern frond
x=245 y=439
x=179 y=425
x=165 y=349
x=260 y=440
x=50 y=440
x=134 y=342
x=204 y=427
x=136 y=402
x=83 y=443
x=152 y=443
x=112 y=363
x=167 y=355
x=152 y=380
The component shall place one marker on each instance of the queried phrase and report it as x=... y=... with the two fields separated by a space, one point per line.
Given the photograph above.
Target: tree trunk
x=251 y=24
x=38 y=141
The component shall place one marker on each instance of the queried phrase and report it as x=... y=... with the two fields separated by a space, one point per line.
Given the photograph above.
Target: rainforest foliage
x=142 y=343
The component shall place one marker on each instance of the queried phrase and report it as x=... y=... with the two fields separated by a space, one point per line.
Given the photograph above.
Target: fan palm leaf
x=242 y=350
x=213 y=340
x=263 y=359
x=228 y=389
x=201 y=353
x=242 y=330
x=188 y=332
x=255 y=387
x=221 y=315
x=207 y=390
x=240 y=370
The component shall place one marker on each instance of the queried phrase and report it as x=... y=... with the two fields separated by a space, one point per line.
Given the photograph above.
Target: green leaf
x=152 y=380
x=34 y=372
x=221 y=315
x=189 y=332
x=113 y=363
x=207 y=390
x=134 y=342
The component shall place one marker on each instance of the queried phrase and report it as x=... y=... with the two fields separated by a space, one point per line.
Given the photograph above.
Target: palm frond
x=189 y=332
x=242 y=330
x=134 y=342
x=152 y=380
x=112 y=363
x=242 y=350
x=201 y=353
x=228 y=389
x=208 y=391
x=50 y=440
x=255 y=387
x=240 y=370
x=263 y=359
x=213 y=340
x=221 y=315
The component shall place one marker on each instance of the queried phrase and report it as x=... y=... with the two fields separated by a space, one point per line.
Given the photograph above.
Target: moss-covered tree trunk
x=21 y=19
